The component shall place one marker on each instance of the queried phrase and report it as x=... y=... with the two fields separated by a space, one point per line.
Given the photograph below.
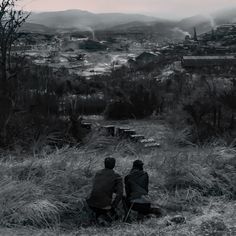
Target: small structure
x=226 y=28
x=149 y=143
x=147 y=57
x=145 y=141
x=137 y=137
x=86 y=125
x=152 y=145
x=121 y=131
x=110 y=130
x=92 y=45
x=129 y=132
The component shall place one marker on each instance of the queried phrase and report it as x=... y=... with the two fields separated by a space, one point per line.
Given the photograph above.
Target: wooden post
x=110 y=130
x=121 y=131
x=87 y=126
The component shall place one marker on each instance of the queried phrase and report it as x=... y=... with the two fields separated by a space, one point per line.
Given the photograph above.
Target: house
x=147 y=57
x=92 y=45
x=208 y=61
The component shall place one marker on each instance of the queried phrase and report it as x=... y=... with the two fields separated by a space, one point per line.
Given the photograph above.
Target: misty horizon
x=175 y=10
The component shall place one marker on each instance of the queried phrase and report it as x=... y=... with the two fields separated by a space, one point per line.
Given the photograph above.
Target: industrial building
x=208 y=61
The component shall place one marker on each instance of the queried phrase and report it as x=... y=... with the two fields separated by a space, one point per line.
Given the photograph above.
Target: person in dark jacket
x=106 y=183
x=136 y=187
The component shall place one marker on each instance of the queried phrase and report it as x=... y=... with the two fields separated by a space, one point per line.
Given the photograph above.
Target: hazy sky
x=161 y=8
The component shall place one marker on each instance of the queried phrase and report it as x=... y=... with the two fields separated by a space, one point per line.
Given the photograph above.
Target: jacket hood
x=137 y=173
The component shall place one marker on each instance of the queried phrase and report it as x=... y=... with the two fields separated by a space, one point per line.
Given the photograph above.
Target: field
x=44 y=194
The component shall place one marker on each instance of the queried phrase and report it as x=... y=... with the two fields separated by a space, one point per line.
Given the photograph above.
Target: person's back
x=136 y=186
x=106 y=183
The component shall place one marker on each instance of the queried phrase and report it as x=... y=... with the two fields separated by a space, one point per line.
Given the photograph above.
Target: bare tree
x=11 y=20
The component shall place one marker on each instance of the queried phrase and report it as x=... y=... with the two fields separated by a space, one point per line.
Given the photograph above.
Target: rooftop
x=208 y=57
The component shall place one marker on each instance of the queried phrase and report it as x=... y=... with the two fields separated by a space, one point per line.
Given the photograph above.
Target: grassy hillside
x=44 y=194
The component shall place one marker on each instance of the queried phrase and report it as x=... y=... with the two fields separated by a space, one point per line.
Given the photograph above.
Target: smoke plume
x=181 y=32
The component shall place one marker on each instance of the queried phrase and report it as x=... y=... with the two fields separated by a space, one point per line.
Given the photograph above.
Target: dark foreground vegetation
x=37 y=101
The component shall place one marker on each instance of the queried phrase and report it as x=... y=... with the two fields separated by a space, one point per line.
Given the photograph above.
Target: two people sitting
x=107 y=182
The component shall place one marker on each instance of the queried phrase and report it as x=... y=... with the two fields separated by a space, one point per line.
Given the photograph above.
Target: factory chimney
x=195 y=35
x=213 y=36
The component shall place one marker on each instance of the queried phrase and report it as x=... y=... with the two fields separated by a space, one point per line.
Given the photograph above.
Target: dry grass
x=48 y=190
x=200 y=224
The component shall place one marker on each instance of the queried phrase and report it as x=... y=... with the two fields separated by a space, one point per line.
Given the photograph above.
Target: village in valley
x=95 y=55
x=85 y=54
x=81 y=50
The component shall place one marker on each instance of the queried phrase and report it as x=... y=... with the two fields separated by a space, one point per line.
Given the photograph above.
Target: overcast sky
x=159 y=8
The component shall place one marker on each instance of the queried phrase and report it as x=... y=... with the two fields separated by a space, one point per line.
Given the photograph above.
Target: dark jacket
x=136 y=184
x=106 y=182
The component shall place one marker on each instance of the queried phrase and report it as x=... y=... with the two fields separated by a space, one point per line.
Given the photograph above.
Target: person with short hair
x=106 y=183
x=136 y=187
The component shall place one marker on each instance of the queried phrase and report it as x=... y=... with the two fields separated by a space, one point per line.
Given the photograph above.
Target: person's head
x=138 y=165
x=109 y=163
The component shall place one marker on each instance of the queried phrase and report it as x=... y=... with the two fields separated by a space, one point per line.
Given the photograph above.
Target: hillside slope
x=82 y=19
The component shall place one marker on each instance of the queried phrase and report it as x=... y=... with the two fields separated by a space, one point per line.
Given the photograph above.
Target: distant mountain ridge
x=36 y=28
x=84 y=20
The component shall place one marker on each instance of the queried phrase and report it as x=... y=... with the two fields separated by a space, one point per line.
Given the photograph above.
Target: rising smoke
x=181 y=32
x=91 y=31
x=211 y=20
x=87 y=28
